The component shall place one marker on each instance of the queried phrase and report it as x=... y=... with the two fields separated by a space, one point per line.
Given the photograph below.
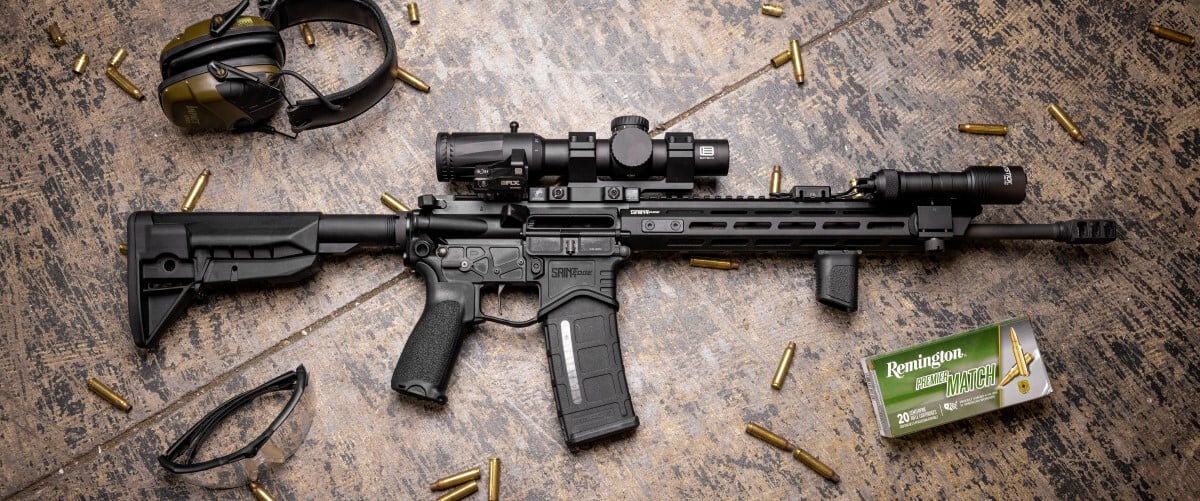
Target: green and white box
x=955 y=377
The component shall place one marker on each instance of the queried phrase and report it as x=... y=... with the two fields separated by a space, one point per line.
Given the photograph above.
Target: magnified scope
x=984 y=185
x=630 y=154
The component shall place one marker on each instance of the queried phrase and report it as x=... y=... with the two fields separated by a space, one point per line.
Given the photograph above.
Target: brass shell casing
x=1015 y=371
x=776 y=180
x=307 y=34
x=123 y=248
x=765 y=435
x=193 y=195
x=785 y=363
x=986 y=129
x=56 y=35
x=781 y=58
x=797 y=63
x=1170 y=34
x=494 y=479
x=816 y=465
x=80 y=65
x=124 y=83
x=716 y=264
x=108 y=395
x=393 y=203
x=455 y=479
x=1065 y=122
x=117 y=58
x=260 y=494
x=1018 y=355
x=414 y=14
x=772 y=10
x=410 y=79
x=460 y=492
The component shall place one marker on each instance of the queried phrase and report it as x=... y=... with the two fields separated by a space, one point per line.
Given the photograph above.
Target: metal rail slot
x=751 y=225
x=707 y=225
x=572 y=222
x=840 y=225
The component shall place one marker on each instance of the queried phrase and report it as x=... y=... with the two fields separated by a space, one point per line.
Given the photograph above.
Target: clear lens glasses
x=247 y=436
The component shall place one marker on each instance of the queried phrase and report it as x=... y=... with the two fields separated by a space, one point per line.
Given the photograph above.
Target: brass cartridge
x=1167 y=33
x=772 y=10
x=716 y=264
x=410 y=79
x=494 y=479
x=1065 y=122
x=776 y=180
x=1015 y=371
x=56 y=35
x=108 y=395
x=460 y=492
x=816 y=465
x=414 y=14
x=123 y=248
x=117 y=58
x=80 y=64
x=193 y=195
x=797 y=63
x=1018 y=355
x=307 y=34
x=393 y=203
x=781 y=58
x=785 y=363
x=765 y=435
x=260 y=494
x=987 y=129
x=455 y=479
x=124 y=83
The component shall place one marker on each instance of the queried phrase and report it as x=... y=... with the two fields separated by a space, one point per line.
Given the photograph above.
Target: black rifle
x=617 y=196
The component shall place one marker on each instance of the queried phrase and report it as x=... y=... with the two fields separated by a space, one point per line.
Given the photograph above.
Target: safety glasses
x=193 y=457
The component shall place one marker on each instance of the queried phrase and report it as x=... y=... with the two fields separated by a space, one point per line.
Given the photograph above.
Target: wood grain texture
x=887 y=83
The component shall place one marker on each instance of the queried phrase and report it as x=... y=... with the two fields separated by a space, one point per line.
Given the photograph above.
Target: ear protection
x=226 y=73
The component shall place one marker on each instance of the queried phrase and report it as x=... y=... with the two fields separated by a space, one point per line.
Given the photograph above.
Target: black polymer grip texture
x=430 y=352
x=837 y=279
x=586 y=371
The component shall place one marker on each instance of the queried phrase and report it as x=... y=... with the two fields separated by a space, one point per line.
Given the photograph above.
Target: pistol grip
x=429 y=354
x=586 y=371
x=837 y=278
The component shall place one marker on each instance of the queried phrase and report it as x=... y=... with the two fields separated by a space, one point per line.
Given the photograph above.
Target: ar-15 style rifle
x=617 y=197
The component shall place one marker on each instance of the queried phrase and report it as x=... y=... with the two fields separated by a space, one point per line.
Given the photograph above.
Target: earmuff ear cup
x=197 y=100
x=232 y=45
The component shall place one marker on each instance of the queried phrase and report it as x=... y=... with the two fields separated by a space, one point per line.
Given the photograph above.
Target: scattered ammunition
x=108 y=395
x=776 y=180
x=765 y=435
x=80 y=64
x=816 y=465
x=455 y=479
x=797 y=63
x=410 y=79
x=988 y=129
x=494 y=479
x=307 y=34
x=716 y=264
x=117 y=58
x=393 y=203
x=781 y=58
x=56 y=35
x=1065 y=122
x=1018 y=355
x=1016 y=371
x=260 y=494
x=123 y=248
x=414 y=14
x=785 y=363
x=772 y=10
x=193 y=196
x=124 y=83
x=1166 y=33
x=461 y=492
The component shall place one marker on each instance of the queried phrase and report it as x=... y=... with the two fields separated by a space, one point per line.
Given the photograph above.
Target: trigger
x=500 y=298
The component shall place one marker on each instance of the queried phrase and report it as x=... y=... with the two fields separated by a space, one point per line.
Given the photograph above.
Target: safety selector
x=837 y=278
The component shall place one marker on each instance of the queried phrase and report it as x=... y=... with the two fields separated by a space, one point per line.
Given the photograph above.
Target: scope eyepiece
x=629 y=155
x=980 y=184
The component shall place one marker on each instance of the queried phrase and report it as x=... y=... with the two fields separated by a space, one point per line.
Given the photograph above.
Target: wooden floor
x=887 y=83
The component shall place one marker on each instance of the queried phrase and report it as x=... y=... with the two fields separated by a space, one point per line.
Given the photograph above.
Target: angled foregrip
x=587 y=372
x=430 y=352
